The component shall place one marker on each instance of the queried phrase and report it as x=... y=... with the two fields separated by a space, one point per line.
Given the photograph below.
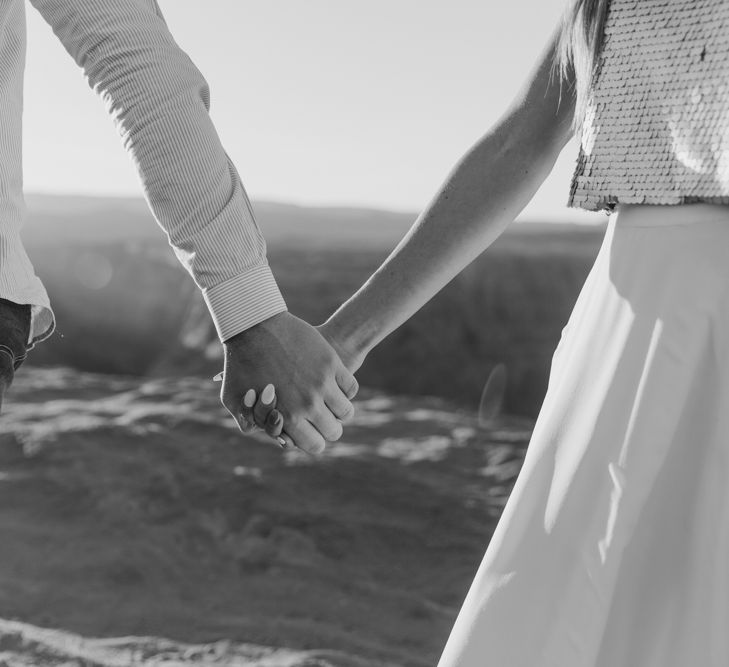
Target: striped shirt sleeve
x=18 y=282
x=160 y=103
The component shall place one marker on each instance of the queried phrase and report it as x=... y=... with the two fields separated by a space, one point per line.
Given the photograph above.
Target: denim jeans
x=14 y=333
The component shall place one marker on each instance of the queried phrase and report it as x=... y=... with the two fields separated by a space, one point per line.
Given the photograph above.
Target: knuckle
x=314 y=443
x=308 y=402
x=352 y=389
x=333 y=432
x=306 y=439
x=294 y=425
x=347 y=412
x=318 y=388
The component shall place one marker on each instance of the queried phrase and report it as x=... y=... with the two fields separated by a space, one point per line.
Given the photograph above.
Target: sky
x=318 y=102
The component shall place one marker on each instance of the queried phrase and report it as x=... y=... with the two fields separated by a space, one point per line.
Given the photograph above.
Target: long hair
x=579 y=48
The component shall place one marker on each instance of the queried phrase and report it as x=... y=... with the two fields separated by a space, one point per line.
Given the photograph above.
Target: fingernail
x=218 y=377
x=281 y=442
x=267 y=394
x=249 y=400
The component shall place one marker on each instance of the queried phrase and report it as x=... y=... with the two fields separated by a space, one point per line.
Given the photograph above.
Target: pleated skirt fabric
x=613 y=547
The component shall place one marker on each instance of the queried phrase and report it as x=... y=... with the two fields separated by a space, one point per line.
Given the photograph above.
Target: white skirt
x=613 y=548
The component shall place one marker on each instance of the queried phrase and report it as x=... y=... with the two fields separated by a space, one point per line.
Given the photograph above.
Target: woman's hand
x=261 y=411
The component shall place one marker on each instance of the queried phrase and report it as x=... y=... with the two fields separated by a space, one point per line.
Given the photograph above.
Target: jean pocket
x=14 y=331
x=16 y=360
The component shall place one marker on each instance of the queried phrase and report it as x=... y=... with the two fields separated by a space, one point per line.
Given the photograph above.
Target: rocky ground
x=132 y=510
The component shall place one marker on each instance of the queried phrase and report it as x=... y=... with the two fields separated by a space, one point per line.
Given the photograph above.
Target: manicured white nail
x=268 y=394
x=218 y=377
x=249 y=400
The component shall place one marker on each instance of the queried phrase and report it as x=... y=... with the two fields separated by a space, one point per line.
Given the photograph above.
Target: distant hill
x=93 y=220
x=124 y=304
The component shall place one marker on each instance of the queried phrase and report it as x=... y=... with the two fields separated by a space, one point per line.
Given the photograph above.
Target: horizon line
x=568 y=216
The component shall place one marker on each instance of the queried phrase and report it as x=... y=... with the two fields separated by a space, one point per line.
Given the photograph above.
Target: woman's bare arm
x=484 y=192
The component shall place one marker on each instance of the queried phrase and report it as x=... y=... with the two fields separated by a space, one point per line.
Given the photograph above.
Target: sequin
x=656 y=129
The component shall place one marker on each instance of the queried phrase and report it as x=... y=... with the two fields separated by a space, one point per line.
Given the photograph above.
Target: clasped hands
x=292 y=380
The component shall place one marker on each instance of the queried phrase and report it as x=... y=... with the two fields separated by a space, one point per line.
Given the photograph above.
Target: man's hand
x=312 y=385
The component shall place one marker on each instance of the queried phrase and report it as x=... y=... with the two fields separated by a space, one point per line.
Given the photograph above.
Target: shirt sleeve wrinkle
x=160 y=101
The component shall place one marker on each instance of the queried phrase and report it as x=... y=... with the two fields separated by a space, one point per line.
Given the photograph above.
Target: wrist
x=256 y=330
x=352 y=343
x=264 y=331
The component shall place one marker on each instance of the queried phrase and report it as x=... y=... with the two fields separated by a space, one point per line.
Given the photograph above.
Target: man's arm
x=160 y=102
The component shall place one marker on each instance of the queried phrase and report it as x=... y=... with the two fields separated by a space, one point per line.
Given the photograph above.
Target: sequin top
x=656 y=129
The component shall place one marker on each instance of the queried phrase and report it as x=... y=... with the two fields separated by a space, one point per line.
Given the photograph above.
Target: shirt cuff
x=42 y=324
x=244 y=301
x=42 y=319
